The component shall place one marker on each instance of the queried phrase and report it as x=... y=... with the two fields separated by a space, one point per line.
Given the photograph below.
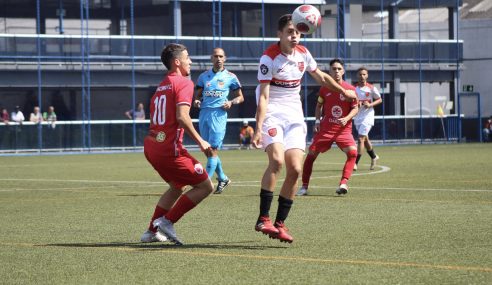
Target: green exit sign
x=467 y=88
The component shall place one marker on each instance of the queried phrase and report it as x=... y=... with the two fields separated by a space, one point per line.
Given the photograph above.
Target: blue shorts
x=212 y=124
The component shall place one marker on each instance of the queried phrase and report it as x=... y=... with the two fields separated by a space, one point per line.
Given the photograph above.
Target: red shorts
x=179 y=171
x=322 y=141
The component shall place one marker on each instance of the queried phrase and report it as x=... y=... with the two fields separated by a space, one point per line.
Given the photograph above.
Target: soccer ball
x=306 y=19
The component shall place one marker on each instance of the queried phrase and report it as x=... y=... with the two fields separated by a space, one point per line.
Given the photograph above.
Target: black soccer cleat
x=221 y=185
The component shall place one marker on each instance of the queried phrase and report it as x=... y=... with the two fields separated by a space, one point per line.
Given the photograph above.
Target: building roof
x=471 y=9
x=476 y=9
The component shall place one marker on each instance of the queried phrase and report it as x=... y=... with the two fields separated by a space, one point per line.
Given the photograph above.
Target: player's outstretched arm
x=184 y=120
x=326 y=80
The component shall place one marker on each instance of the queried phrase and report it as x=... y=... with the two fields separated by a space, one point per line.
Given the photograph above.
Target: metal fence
x=117 y=49
x=119 y=134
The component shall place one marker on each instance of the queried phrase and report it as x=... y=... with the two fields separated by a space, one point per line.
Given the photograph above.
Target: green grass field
x=424 y=216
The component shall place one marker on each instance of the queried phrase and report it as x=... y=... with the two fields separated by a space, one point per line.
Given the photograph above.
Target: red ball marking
x=304 y=8
x=303 y=28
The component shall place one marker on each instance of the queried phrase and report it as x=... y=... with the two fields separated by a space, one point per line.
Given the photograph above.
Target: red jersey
x=174 y=90
x=335 y=106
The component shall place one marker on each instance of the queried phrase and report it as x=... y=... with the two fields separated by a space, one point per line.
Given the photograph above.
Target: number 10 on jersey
x=159 y=117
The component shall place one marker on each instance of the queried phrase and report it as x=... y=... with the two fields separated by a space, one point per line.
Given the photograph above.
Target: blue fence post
x=38 y=47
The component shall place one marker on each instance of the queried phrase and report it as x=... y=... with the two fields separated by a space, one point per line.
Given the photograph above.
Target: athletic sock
x=158 y=212
x=182 y=206
x=358 y=158
x=266 y=198
x=211 y=165
x=307 y=169
x=284 y=206
x=349 y=165
x=220 y=172
x=371 y=153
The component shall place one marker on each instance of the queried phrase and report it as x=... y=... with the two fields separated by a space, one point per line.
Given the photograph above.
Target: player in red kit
x=163 y=147
x=336 y=126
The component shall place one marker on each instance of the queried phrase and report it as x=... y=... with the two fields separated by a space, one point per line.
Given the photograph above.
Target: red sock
x=182 y=206
x=349 y=166
x=158 y=212
x=307 y=169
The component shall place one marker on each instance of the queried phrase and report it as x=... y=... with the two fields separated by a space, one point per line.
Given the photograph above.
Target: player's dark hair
x=362 y=68
x=284 y=21
x=216 y=48
x=170 y=52
x=335 y=60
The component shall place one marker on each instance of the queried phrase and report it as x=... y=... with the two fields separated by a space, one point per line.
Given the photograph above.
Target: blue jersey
x=216 y=87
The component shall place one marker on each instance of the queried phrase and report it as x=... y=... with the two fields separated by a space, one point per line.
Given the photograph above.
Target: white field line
x=251 y=183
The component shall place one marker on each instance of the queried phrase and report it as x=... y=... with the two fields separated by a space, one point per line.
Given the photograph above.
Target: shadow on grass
x=158 y=195
x=327 y=195
x=141 y=195
x=245 y=245
x=325 y=171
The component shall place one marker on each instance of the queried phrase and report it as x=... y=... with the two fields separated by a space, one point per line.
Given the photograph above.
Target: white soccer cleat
x=355 y=167
x=342 y=189
x=302 y=191
x=373 y=162
x=150 y=236
x=165 y=227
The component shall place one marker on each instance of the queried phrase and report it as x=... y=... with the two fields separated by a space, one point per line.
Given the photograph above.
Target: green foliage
x=422 y=217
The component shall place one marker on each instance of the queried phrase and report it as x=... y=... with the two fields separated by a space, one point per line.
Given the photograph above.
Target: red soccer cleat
x=283 y=233
x=266 y=227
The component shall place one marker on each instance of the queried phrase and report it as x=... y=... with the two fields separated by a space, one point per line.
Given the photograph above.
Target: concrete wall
x=477 y=37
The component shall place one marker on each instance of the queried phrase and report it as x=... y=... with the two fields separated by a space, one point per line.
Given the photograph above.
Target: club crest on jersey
x=336 y=111
x=367 y=94
x=160 y=137
x=220 y=83
x=208 y=84
x=263 y=69
x=300 y=65
x=198 y=168
x=272 y=132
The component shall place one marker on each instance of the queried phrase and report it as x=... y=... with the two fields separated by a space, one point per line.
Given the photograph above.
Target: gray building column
x=177 y=18
x=393 y=23
x=116 y=16
x=237 y=24
x=42 y=23
x=397 y=106
x=393 y=104
x=453 y=34
x=452 y=23
x=343 y=29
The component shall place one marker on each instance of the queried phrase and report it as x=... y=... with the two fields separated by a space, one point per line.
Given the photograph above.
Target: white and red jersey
x=174 y=90
x=367 y=93
x=284 y=74
x=335 y=106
